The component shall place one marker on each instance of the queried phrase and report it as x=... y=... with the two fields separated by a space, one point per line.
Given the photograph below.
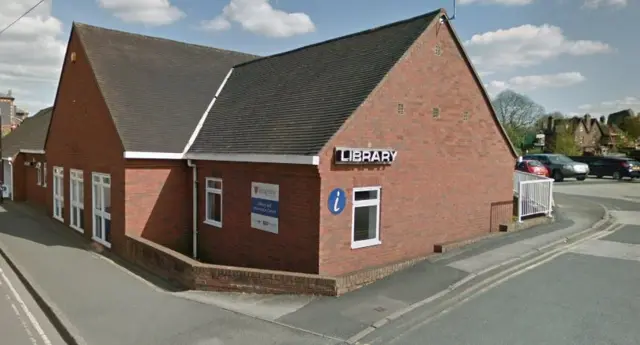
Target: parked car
x=616 y=167
x=561 y=166
x=532 y=167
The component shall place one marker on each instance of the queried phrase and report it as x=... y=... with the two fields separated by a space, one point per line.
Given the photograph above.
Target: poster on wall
x=265 y=206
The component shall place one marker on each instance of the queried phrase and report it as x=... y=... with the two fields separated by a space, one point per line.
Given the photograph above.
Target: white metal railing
x=534 y=192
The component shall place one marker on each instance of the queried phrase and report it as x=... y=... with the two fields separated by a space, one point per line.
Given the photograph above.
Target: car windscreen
x=534 y=163
x=560 y=159
x=633 y=162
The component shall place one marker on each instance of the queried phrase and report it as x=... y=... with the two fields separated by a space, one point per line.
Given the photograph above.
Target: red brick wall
x=25 y=183
x=82 y=136
x=294 y=248
x=447 y=173
x=158 y=199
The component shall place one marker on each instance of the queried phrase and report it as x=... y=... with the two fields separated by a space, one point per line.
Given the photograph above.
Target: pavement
x=583 y=292
x=22 y=322
x=102 y=300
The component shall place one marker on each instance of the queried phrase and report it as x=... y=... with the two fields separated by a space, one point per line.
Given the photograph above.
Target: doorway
x=101 y=208
x=58 y=193
x=8 y=177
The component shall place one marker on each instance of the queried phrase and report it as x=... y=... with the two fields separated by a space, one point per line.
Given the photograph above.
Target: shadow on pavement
x=24 y=222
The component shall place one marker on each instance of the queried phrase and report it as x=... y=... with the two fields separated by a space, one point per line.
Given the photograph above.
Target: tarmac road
x=21 y=320
x=586 y=294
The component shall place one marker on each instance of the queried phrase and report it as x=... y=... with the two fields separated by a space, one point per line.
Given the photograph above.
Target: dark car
x=616 y=167
x=561 y=166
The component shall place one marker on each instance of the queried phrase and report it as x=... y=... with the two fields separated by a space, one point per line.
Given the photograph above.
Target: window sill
x=80 y=230
x=365 y=244
x=101 y=241
x=58 y=218
x=213 y=223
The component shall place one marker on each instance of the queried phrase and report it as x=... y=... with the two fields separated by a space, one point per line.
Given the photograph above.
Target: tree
x=517 y=113
x=631 y=126
x=565 y=143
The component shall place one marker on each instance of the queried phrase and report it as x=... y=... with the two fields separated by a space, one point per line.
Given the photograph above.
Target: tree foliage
x=517 y=113
x=631 y=126
x=565 y=143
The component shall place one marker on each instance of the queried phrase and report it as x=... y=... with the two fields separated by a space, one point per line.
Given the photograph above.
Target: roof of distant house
x=30 y=135
x=155 y=89
x=294 y=102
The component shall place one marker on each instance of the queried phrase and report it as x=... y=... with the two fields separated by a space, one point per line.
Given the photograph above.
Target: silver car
x=561 y=166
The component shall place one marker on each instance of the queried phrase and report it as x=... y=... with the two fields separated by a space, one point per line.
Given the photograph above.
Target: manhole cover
x=380 y=309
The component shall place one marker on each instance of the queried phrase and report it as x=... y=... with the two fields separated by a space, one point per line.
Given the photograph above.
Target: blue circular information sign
x=337 y=201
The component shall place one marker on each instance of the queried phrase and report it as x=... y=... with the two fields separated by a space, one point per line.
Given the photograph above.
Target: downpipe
x=194 y=231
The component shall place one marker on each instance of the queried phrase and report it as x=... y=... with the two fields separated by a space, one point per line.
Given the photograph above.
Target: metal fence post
x=520 y=202
x=550 y=198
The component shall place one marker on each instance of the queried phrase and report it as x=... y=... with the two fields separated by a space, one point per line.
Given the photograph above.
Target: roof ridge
x=157 y=38
x=339 y=38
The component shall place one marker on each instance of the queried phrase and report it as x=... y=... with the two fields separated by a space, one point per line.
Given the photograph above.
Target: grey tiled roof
x=294 y=102
x=30 y=135
x=156 y=89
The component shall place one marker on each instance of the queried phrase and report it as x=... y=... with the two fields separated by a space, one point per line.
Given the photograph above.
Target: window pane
x=366 y=195
x=97 y=197
x=365 y=223
x=81 y=218
x=211 y=202
x=74 y=217
x=107 y=199
x=214 y=184
x=81 y=192
x=97 y=226
x=217 y=210
x=107 y=230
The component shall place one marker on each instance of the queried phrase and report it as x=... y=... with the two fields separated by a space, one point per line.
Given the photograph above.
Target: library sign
x=346 y=155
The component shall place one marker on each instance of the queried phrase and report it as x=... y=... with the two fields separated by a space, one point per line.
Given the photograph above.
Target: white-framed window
x=365 y=225
x=213 y=201
x=44 y=174
x=76 y=195
x=58 y=193
x=101 y=198
x=39 y=174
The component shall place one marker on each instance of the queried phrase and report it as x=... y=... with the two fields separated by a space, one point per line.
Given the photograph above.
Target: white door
x=101 y=196
x=76 y=194
x=7 y=184
x=58 y=193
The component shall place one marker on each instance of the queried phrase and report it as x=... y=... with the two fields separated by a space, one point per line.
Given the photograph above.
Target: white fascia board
x=35 y=152
x=151 y=155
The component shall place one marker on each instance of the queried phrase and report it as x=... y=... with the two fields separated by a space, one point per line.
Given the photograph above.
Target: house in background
x=125 y=109
x=593 y=136
x=10 y=115
x=24 y=162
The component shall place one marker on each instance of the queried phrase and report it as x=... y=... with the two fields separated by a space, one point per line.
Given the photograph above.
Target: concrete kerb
x=61 y=324
x=602 y=224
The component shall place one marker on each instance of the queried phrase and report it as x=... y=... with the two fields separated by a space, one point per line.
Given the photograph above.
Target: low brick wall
x=196 y=275
x=191 y=274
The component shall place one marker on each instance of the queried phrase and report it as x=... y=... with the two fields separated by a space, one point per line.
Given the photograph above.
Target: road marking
x=25 y=309
x=21 y=319
x=474 y=292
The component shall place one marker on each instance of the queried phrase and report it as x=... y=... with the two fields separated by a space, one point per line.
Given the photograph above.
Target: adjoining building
x=24 y=162
x=345 y=155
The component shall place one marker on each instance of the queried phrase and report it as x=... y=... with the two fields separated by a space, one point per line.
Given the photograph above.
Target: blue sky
x=568 y=55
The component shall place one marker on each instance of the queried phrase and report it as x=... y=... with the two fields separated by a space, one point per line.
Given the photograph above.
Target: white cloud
x=31 y=53
x=608 y=107
x=533 y=82
x=527 y=45
x=148 y=12
x=593 y=4
x=497 y=2
x=259 y=17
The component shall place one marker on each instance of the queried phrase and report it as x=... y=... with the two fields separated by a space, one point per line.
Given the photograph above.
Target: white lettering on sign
x=345 y=155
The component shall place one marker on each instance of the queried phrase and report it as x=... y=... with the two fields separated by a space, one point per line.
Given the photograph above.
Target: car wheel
x=581 y=178
x=557 y=176
x=617 y=176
